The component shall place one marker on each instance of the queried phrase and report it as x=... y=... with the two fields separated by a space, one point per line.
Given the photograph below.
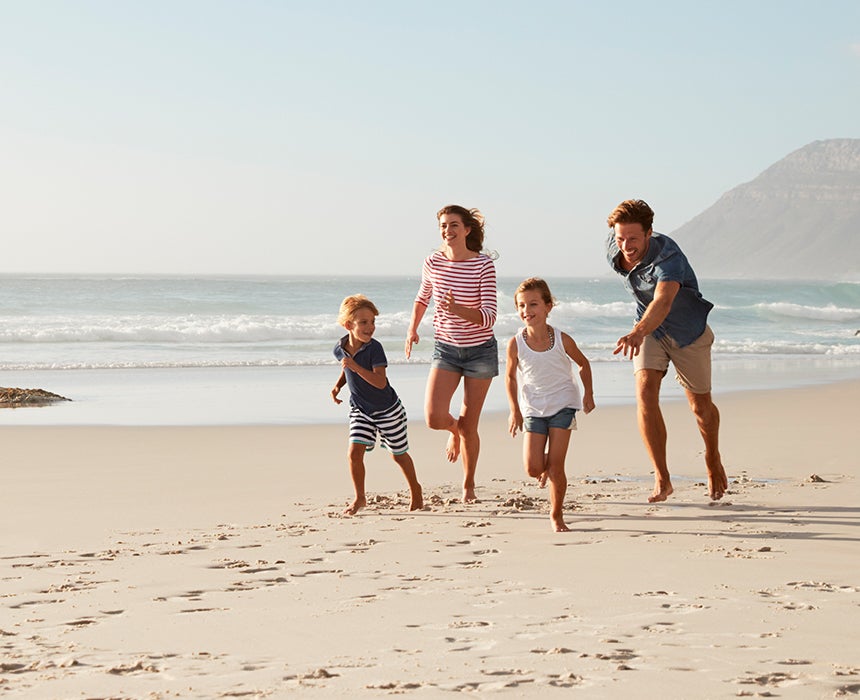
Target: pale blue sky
x=321 y=137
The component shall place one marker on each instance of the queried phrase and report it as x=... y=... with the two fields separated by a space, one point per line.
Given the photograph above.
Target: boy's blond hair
x=351 y=305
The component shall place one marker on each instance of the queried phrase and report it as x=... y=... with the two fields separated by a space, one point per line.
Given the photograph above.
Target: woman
x=461 y=281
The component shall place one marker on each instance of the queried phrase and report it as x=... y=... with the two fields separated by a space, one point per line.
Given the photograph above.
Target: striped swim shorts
x=390 y=424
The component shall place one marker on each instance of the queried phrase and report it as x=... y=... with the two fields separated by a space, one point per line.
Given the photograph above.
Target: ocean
x=153 y=350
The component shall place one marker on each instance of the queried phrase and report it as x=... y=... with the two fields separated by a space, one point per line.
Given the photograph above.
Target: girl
x=541 y=357
x=461 y=281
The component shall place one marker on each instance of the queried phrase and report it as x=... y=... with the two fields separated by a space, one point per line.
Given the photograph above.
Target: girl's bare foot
x=356 y=506
x=559 y=526
x=469 y=495
x=543 y=478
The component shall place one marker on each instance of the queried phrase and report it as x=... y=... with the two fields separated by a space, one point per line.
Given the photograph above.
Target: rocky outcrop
x=799 y=219
x=14 y=397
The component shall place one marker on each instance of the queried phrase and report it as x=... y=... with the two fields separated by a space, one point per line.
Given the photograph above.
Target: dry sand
x=215 y=563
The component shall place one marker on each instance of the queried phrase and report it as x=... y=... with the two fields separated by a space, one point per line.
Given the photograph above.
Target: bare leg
x=708 y=419
x=408 y=468
x=474 y=393
x=355 y=457
x=441 y=385
x=652 y=428
x=534 y=456
x=559 y=439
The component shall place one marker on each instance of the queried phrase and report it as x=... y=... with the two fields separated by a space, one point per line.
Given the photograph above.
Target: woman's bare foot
x=452 y=449
x=543 y=478
x=469 y=495
x=356 y=506
x=417 y=502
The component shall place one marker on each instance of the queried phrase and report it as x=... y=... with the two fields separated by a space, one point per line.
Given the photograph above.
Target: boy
x=374 y=405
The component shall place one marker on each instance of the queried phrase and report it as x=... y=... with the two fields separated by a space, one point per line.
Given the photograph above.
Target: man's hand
x=629 y=344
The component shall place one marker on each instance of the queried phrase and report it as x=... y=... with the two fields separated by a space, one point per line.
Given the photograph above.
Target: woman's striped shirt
x=473 y=283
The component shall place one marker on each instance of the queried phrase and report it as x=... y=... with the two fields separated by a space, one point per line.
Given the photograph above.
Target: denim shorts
x=479 y=361
x=564 y=419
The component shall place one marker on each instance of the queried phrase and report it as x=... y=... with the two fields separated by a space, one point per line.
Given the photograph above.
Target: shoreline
x=298 y=395
x=211 y=561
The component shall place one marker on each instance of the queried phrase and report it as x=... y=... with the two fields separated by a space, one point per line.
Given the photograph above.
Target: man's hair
x=632 y=211
x=352 y=304
x=538 y=285
x=473 y=219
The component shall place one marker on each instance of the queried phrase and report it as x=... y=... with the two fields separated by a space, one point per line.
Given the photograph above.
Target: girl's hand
x=587 y=403
x=515 y=422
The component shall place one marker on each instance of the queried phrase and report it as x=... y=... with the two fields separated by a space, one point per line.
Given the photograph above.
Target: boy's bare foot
x=452 y=449
x=543 y=478
x=661 y=492
x=417 y=502
x=718 y=483
x=356 y=506
x=559 y=526
x=469 y=495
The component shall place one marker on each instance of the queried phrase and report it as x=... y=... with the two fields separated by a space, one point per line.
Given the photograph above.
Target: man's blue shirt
x=364 y=396
x=664 y=262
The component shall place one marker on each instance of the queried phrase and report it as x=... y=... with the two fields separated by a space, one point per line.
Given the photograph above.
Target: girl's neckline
x=551 y=340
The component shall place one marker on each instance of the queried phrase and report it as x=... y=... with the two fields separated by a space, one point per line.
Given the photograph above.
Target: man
x=671 y=326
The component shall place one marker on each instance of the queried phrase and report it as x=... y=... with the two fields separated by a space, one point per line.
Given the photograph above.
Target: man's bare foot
x=417 y=502
x=718 y=483
x=452 y=449
x=469 y=495
x=543 y=478
x=559 y=526
x=661 y=492
x=356 y=506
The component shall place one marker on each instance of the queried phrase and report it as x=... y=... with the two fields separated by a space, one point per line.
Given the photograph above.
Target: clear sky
x=320 y=137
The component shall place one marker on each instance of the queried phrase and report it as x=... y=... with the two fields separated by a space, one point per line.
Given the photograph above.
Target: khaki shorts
x=692 y=362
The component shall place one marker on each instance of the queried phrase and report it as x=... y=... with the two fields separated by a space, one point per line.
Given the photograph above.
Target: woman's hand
x=411 y=339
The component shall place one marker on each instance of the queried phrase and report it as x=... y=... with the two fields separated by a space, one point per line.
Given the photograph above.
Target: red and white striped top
x=473 y=283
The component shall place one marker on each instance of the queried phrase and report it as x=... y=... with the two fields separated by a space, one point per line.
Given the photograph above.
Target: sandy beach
x=214 y=562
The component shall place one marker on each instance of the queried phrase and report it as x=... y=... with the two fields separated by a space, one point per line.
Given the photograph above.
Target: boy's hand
x=349 y=363
x=334 y=392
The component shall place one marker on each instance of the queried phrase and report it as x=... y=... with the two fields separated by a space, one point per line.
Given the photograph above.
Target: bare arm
x=375 y=377
x=575 y=354
x=655 y=314
x=418 y=310
x=515 y=420
x=338 y=385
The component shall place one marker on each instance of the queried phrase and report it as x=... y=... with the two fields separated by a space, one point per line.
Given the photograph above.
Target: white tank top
x=546 y=380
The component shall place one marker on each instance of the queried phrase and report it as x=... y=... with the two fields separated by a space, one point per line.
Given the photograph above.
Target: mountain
x=799 y=219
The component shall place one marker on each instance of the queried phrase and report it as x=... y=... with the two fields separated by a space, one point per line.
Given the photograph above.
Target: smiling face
x=632 y=240
x=361 y=326
x=453 y=231
x=532 y=308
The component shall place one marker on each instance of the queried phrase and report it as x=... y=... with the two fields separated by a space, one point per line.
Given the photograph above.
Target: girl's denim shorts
x=479 y=361
x=564 y=419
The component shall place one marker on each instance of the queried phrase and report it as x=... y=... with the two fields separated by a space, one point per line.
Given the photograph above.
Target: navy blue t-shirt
x=364 y=396
x=664 y=262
